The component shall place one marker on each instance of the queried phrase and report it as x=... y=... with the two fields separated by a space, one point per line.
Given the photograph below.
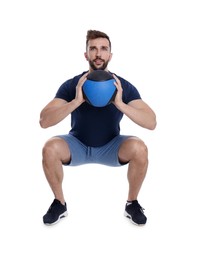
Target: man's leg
x=134 y=151
x=55 y=152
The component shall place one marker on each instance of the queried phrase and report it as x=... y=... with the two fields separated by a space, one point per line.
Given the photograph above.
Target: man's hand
x=118 y=97
x=79 y=94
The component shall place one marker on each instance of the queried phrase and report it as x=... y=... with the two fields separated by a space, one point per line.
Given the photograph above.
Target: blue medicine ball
x=99 y=89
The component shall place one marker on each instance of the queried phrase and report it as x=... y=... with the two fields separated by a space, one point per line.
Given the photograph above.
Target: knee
x=50 y=149
x=139 y=150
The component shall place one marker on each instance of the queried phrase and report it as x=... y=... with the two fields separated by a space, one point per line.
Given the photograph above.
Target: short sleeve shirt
x=95 y=126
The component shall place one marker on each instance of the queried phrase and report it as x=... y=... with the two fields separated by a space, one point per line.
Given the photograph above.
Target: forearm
x=143 y=117
x=50 y=116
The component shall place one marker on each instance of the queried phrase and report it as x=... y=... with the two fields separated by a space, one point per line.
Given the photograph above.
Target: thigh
x=108 y=154
x=78 y=150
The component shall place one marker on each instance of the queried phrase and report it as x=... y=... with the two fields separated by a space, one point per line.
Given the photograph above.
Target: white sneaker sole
x=63 y=215
x=127 y=215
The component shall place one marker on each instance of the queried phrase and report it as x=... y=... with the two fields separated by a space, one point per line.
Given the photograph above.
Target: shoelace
x=136 y=206
x=51 y=208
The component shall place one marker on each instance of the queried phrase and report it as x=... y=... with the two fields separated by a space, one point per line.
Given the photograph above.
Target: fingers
x=82 y=80
x=79 y=94
x=118 y=97
x=117 y=82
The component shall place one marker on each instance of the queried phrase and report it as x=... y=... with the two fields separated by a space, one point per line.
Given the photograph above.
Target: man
x=95 y=133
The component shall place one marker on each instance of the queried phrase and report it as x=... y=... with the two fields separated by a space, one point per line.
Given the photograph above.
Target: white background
x=154 y=47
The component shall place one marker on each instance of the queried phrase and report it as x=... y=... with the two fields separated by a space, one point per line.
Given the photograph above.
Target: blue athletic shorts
x=82 y=154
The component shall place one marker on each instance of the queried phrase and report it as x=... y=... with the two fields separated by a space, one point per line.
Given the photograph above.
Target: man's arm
x=137 y=110
x=58 y=109
x=140 y=113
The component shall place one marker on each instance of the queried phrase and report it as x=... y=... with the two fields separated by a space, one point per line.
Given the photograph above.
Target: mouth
x=98 y=61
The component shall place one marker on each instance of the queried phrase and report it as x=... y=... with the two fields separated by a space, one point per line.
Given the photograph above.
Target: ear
x=86 y=56
x=110 y=56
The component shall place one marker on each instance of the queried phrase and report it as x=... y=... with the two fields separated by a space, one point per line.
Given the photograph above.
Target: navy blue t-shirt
x=95 y=126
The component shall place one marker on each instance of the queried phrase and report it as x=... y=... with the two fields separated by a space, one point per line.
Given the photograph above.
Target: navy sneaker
x=55 y=212
x=135 y=213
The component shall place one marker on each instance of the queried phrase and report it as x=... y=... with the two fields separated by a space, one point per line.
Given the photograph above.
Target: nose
x=98 y=53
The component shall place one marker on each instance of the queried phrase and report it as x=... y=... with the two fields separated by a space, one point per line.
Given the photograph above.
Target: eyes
x=102 y=48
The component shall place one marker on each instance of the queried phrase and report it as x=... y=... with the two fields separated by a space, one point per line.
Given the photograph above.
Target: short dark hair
x=93 y=34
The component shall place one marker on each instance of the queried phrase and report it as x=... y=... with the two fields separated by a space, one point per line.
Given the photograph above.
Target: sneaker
x=135 y=213
x=55 y=213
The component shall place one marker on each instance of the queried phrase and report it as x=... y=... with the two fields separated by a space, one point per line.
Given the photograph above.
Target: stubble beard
x=103 y=67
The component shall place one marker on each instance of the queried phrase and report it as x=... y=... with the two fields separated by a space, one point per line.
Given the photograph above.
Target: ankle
x=62 y=201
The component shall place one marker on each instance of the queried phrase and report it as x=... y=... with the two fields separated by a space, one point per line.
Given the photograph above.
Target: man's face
x=98 y=53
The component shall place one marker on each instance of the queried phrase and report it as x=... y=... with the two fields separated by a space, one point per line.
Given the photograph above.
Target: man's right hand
x=79 y=94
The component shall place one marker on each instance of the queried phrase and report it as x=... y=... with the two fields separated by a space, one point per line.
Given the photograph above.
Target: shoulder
x=130 y=92
x=74 y=80
x=67 y=90
x=124 y=82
